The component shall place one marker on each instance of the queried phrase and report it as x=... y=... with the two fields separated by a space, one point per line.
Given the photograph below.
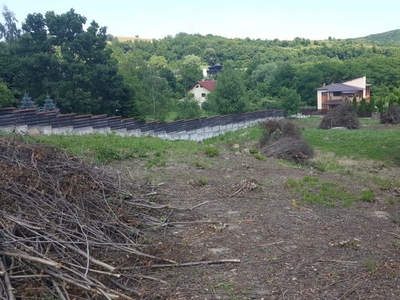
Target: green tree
x=363 y=105
x=354 y=103
x=188 y=108
x=291 y=101
x=285 y=76
x=56 y=56
x=153 y=101
x=9 y=30
x=190 y=74
x=6 y=96
x=229 y=94
x=26 y=102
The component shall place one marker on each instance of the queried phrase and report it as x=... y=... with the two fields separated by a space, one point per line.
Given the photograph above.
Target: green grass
x=242 y=137
x=374 y=142
x=312 y=190
x=111 y=147
x=379 y=145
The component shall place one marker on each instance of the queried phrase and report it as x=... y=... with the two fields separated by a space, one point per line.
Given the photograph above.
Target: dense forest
x=84 y=69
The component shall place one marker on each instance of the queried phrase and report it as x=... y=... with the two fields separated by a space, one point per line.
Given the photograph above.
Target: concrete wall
x=27 y=121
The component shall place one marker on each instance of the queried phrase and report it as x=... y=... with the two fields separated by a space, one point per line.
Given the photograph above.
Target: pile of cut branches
x=391 y=115
x=282 y=139
x=342 y=115
x=68 y=229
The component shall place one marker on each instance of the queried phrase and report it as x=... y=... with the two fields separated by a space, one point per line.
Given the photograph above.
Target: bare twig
x=59 y=292
x=206 y=262
x=238 y=191
x=392 y=233
x=7 y=281
x=33 y=258
x=198 y=205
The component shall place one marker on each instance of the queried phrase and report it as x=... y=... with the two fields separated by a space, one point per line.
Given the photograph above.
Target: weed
x=367 y=195
x=384 y=184
x=391 y=201
x=314 y=191
x=253 y=150
x=396 y=242
x=334 y=275
x=211 y=151
x=370 y=264
x=198 y=164
x=106 y=154
x=353 y=244
x=202 y=181
x=226 y=286
x=259 y=156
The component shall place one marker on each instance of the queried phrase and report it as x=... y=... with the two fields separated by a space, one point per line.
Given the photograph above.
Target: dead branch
x=196 y=263
x=238 y=191
x=33 y=259
x=198 y=205
x=7 y=281
x=66 y=222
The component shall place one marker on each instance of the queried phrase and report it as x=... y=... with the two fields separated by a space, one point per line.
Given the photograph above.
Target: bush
x=341 y=116
x=211 y=151
x=391 y=115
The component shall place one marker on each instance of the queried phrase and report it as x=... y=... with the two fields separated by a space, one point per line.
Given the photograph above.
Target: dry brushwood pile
x=342 y=115
x=68 y=230
x=391 y=115
x=282 y=139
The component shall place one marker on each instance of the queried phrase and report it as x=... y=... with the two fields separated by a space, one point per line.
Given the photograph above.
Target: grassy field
x=373 y=142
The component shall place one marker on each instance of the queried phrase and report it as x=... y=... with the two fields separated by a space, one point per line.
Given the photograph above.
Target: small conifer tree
x=26 y=102
x=49 y=104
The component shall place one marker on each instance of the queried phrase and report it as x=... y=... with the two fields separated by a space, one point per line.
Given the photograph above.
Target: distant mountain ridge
x=388 y=38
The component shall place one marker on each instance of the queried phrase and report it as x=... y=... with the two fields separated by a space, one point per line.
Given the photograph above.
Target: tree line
x=90 y=71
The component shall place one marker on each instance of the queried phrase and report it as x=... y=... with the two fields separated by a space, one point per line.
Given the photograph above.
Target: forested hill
x=84 y=69
x=388 y=38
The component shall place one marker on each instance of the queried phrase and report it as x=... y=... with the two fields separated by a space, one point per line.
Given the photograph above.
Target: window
x=337 y=93
x=324 y=93
x=197 y=86
x=203 y=94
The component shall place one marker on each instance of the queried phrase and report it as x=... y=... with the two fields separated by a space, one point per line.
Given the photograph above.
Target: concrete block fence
x=32 y=122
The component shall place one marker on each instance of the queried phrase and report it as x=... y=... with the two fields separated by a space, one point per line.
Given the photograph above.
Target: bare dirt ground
x=247 y=235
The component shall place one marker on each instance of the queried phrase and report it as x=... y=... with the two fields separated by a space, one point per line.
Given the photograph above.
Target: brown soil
x=278 y=246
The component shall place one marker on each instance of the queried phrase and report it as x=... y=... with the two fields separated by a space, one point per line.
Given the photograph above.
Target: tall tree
x=291 y=101
x=6 y=96
x=154 y=94
x=74 y=66
x=229 y=94
x=9 y=30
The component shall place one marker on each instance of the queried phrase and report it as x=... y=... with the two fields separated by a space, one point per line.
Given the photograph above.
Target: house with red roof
x=329 y=96
x=201 y=89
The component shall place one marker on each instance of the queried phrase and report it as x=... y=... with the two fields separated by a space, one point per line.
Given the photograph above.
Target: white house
x=201 y=89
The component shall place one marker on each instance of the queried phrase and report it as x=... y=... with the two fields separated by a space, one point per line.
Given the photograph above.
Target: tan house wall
x=358 y=82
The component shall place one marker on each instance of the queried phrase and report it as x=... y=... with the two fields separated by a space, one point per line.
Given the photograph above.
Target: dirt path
x=244 y=210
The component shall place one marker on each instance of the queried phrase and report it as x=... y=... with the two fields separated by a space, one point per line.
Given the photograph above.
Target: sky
x=255 y=19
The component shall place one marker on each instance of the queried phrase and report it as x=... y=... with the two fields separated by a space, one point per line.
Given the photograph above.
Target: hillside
x=388 y=38
x=131 y=38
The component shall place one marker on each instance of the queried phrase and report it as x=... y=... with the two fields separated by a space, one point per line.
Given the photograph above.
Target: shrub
x=211 y=151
